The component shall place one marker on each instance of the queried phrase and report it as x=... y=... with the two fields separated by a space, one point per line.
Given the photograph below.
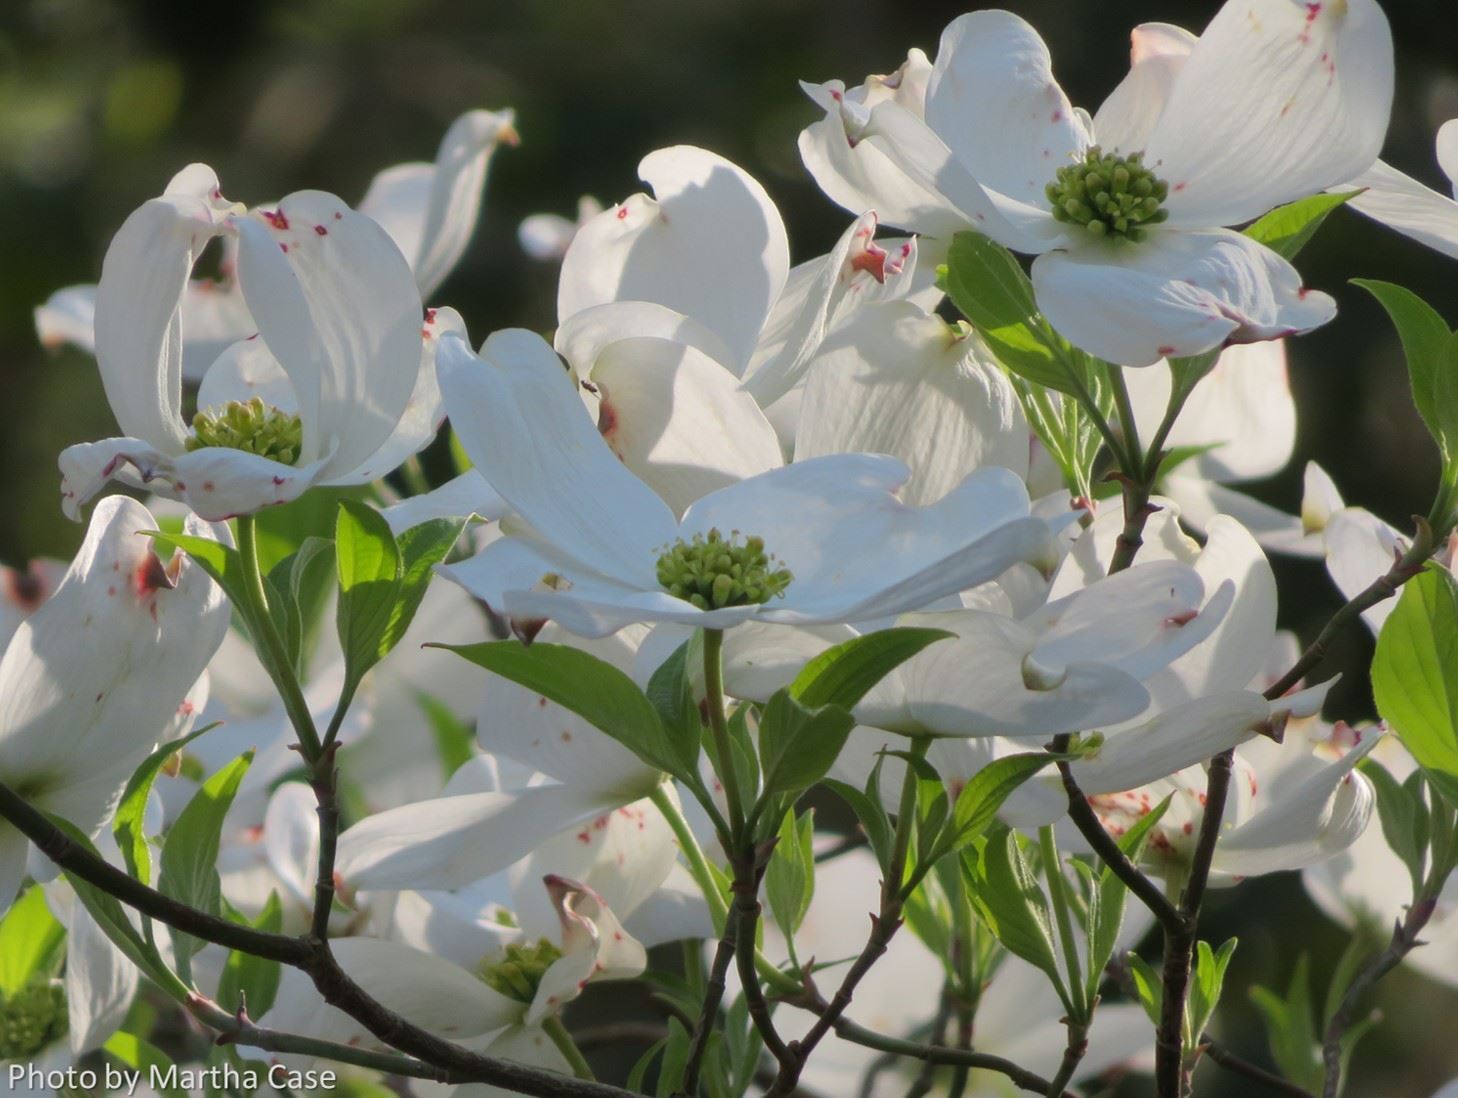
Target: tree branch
x=1234 y=1064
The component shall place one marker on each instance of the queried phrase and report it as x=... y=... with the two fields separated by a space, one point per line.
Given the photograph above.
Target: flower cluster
x=734 y=533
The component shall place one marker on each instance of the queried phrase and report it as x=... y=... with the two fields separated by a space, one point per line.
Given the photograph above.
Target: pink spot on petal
x=276 y=218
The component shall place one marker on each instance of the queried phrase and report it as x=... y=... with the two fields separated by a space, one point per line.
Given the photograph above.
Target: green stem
x=552 y=1026
x=269 y=645
x=1058 y=893
x=1125 y=407
x=698 y=866
x=719 y=726
x=905 y=818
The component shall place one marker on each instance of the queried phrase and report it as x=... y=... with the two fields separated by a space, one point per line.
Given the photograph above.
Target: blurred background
x=101 y=101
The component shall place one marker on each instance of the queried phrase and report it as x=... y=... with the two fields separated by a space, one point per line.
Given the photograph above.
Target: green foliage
x=789 y=878
x=1007 y=896
x=798 y=744
x=1287 y=229
x=1403 y=813
x=454 y=738
x=189 y=871
x=131 y=1051
x=126 y=826
x=1205 y=987
x=252 y=982
x=846 y=673
x=30 y=942
x=1415 y=675
x=298 y=588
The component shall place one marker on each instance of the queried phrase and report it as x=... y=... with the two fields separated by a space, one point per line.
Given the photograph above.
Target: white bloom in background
x=95 y=678
x=23 y=591
x=430 y=210
x=1367 y=882
x=338 y=348
x=1017 y=1012
x=820 y=541
x=547 y=236
x=1402 y=203
x=1127 y=210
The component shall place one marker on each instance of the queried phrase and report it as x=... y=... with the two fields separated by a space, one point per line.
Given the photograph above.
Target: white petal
x=100 y=984
x=291 y=839
x=993 y=99
x=138 y=311
x=89 y=683
x=1277 y=532
x=1360 y=547
x=25 y=590
x=529 y=435
x=450 y=925
x=678 y=419
x=426 y=990
x=861 y=175
x=247 y=369
x=1400 y=202
x=459 y=497
x=516 y=723
x=710 y=245
x=822 y=518
x=545 y=237
x=337 y=305
x=452 y=841
x=216 y=482
x=68 y=316
x=1242 y=409
x=1174 y=294
x=594 y=946
x=1127 y=117
x=1278 y=100
x=897 y=381
x=586 y=334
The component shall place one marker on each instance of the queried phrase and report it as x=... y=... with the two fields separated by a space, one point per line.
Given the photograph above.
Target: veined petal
x=518 y=417
x=450 y=842
x=1360 y=547
x=678 y=419
x=993 y=99
x=138 y=321
x=594 y=946
x=1400 y=202
x=586 y=334
x=453 y=926
x=247 y=369
x=590 y=606
x=898 y=381
x=337 y=305
x=459 y=497
x=1127 y=117
x=90 y=681
x=1174 y=294
x=710 y=244
x=1277 y=100
x=425 y=990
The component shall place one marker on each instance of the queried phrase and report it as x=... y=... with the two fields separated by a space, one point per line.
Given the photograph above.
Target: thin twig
x=713 y=996
x=1234 y=1064
x=1073 y=1053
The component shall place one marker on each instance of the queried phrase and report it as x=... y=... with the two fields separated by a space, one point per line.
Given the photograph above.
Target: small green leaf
x=671 y=692
x=981 y=798
x=190 y=853
x=248 y=980
x=1426 y=341
x=1006 y=894
x=369 y=568
x=1287 y=229
x=126 y=826
x=846 y=673
x=1291 y=1027
x=1404 y=817
x=298 y=589
x=1415 y=675
x=1209 y=982
x=30 y=941
x=1147 y=985
x=1106 y=917
x=797 y=744
x=871 y=815
x=133 y=1052
x=421 y=548
x=675 y=1058
x=592 y=688
x=789 y=878
x=219 y=561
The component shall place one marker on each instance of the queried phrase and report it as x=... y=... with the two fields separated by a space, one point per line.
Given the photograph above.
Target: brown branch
x=1234 y=1064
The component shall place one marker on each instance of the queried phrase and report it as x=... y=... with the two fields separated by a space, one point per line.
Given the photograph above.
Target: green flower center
x=31 y=1019
x=251 y=426
x=519 y=971
x=1109 y=195
x=713 y=572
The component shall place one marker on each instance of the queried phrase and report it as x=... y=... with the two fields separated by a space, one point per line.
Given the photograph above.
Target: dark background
x=100 y=102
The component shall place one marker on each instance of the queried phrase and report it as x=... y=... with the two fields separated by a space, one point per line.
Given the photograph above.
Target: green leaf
x=846 y=673
x=30 y=941
x=190 y=853
x=248 y=980
x=133 y=1052
x=1426 y=343
x=675 y=1058
x=126 y=826
x=1006 y=894
x=106 y=911
x=1209 y=982
x=797 y=744
x=281 y=531
x=454 y=738
x=595 y=690
x=671 y=693
x=1291 y=1027
x=871 y=815
x=1404 y=817
x=1106 y=915
x=1287 y=229
x=298 y=589
x=421 y=548
x=1415 y=675
x=221 y=562
x=1147 y=985
x=789 y=879
x=369 y=568
x=981 y=798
